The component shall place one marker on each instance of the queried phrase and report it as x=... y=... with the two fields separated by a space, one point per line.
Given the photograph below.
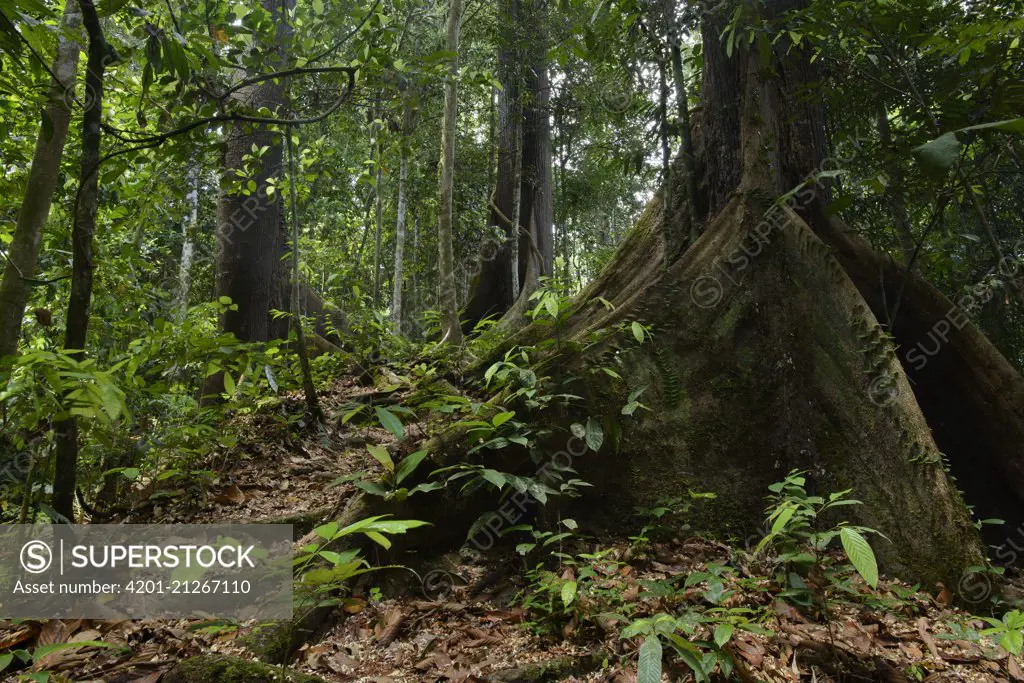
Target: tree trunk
x=23 y=254
x=524 y=166
x=450 y=329
x=250 y=223
x=312 y=401
x=396 y=293
x=189 y=232
x=379 y=218
x=767 y=354
x=86 y=204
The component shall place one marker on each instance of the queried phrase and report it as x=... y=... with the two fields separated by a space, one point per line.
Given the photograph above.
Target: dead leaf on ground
x=232 y=495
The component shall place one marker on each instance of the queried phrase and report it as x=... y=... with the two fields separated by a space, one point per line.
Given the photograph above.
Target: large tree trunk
x=767 y=353
x=23 y=254
x=523 y=105
x=250 y=223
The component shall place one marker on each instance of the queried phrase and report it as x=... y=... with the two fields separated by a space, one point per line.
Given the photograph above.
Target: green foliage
x=323 y=575
x=388 y=485
x=794 y=517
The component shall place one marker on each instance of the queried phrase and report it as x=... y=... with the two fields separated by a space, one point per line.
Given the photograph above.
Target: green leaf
x=381 y=455
x=390 y=422
x=5 y=661
x=502 y=418
x=408 y=465
x=722 y=634
x=648 y=668
x=494 y=477
x=1012 y=641
x=594 y=435
x=551 y=304
x=326 y=531
x=859 y=551
x=568 y=592
x=784 y=516
x=939 y=155
x=638 y=332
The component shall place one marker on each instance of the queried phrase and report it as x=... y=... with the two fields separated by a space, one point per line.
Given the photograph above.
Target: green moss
x=223 y=669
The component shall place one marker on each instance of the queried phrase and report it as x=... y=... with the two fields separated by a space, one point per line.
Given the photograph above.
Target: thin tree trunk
x=517 y=196
x=414 y=295
x=43 y=174
x=312 y=402
x=66 y=460
x=188 y=245
x=379 y=209
x=396 y=293
x=450 y=329
x=492 y=135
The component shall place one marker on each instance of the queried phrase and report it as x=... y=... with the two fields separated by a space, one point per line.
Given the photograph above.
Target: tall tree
x=522 y=204
x=403 y=180
x=23 y=255
x=448 y=303
x=82 y=231
x=250 y=219
x=189 y=233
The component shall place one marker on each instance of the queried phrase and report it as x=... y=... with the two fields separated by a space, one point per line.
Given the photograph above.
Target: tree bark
x=189 y=232
x=451 y=332
x=22 y=258
x=378 y=217
x=396 y=293
x=250 y=224
x=312 y=401
x=86 y=204
x=524 y=178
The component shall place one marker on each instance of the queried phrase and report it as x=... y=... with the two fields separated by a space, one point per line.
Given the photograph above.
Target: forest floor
x=469 y=622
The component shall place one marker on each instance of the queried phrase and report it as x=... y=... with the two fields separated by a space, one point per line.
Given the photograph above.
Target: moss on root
x=223 y=669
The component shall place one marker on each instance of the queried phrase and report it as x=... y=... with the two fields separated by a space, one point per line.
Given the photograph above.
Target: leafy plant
x=793 y=517
x=389 y=484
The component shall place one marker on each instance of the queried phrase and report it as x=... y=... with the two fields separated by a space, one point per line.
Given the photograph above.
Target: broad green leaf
x=502 y=418
x=568 y=592
x=381 y=455
x=784 y=516
x=861 y=556
x=494 y=477
x=1012 y=641
x=327 y=531
x=390 y=422
x=939 y=155
x=723 y=632
x=638 y=332
x=408 y=465
x=648 y=668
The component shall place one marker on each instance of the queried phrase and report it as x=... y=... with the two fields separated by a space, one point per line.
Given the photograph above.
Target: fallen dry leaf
x=232 y=495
